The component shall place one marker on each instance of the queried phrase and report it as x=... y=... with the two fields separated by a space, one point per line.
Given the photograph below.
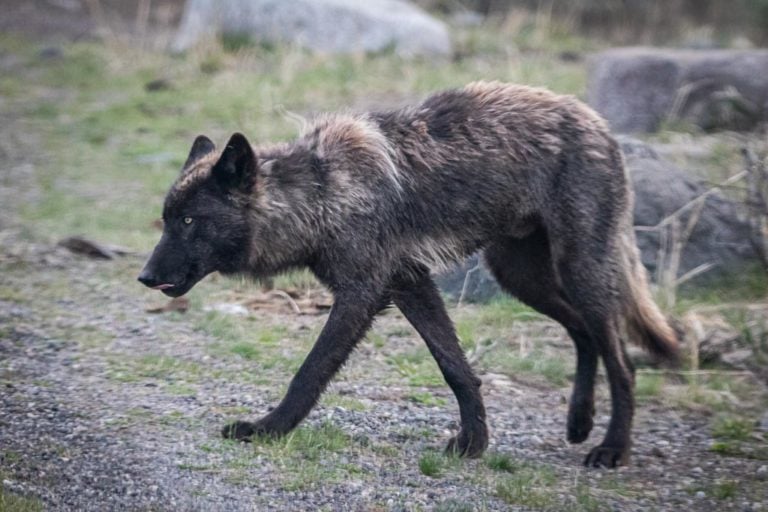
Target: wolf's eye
x=187 y=220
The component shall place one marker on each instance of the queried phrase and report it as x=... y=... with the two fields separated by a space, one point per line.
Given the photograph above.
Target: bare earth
x=81 y=436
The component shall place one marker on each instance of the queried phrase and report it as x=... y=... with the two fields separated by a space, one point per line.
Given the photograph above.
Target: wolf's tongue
x=162 y=286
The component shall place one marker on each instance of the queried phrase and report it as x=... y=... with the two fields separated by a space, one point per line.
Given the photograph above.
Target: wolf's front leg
x=350 y=318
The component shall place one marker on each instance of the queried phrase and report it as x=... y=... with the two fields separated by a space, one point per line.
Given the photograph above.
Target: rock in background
x=638 y=89
x=721 y=237
x=330 y=26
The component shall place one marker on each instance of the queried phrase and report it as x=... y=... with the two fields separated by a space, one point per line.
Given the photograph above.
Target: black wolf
x=371 y=203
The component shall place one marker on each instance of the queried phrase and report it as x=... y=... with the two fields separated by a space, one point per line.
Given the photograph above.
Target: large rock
x=721 y=236
x=330 y=26
x=637 y=89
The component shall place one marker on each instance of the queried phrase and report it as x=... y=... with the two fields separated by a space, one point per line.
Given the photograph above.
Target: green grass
x=732 y=428
x=536 y=486
x=248 y=338
x=490 y=325
x=309 y=456
x=310 y=442
x=648 y=385
x=529 y=486
x=153 y=366
x=329 y=399
x=426 y=398
x=12 y=502
x=748 y=284
x=554 y=367
x=501 y=462
x=432 y=464
x=418 y=367
x=118 y=146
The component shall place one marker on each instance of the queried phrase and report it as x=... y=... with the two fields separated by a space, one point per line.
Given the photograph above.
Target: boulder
x=326 y=26
x=721 y=236
x=638 y=89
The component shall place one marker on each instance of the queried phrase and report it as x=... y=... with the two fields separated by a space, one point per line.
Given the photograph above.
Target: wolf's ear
x=201 y=147
x=237 y=165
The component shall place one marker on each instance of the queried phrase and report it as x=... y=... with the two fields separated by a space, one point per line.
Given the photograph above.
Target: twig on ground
x=288 y=299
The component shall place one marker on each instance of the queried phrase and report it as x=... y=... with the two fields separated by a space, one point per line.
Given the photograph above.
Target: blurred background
x=99 y=103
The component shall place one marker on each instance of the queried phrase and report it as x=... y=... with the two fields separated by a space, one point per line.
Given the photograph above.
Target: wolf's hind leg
x=587 y=281
x=523 y=268
x=416 y=296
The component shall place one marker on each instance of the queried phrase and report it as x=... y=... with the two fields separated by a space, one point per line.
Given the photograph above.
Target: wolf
x=374 y=203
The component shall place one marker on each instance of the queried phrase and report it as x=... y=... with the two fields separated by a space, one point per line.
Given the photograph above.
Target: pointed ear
x=201 y=147
x=237 y=165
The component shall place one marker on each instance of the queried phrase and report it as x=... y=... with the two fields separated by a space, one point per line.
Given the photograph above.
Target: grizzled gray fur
x=372 y=203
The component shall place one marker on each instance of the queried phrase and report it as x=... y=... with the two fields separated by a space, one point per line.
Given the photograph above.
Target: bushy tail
x=646 y=323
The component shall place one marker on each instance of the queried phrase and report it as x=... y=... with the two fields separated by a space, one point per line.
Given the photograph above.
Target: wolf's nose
x=148 y=279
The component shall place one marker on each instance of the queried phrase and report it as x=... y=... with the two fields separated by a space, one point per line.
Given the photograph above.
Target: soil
x=79 y=437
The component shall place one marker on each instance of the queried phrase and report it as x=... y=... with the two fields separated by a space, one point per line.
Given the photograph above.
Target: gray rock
x=330 y=26
x=721 y=236
x=637 y=89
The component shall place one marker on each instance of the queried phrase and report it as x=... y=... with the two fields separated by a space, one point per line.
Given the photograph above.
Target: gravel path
x=80 y=432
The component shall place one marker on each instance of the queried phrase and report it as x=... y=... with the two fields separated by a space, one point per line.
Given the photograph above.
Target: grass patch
x=271 y=346
x=309 y=442
x=418 y=367
x=308 y=457
x=480 y=324
x=732 y=428
x=724 y=490
x=554 y=367
x=426 y=398
x=529 y=486
x=501 y=462
x=153 y=366
x=119 y=146
x=432 y=464
x=584 y=501
x=749 y=284
x=735 y=436
x=12 y=502
x=648 y=385
x=346 y=402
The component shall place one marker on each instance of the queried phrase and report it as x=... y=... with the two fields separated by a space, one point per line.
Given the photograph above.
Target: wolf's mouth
x=163 y=286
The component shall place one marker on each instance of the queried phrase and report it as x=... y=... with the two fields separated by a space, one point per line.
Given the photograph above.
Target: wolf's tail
x=645 y=321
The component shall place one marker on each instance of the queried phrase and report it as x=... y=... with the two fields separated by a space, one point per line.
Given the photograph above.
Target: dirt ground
x=85 y=427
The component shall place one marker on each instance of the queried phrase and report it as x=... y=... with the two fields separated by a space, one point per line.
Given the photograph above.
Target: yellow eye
x=187 y=220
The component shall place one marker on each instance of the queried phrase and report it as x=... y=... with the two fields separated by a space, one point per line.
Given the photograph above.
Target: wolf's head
x=205 y=223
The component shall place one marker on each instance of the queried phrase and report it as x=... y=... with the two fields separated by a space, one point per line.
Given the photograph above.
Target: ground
x=106 y=406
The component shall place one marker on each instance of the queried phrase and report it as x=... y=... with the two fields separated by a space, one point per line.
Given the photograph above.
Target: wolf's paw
x=239 y=431
x=579 y=424
x=607 y=457
x=468 y=443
